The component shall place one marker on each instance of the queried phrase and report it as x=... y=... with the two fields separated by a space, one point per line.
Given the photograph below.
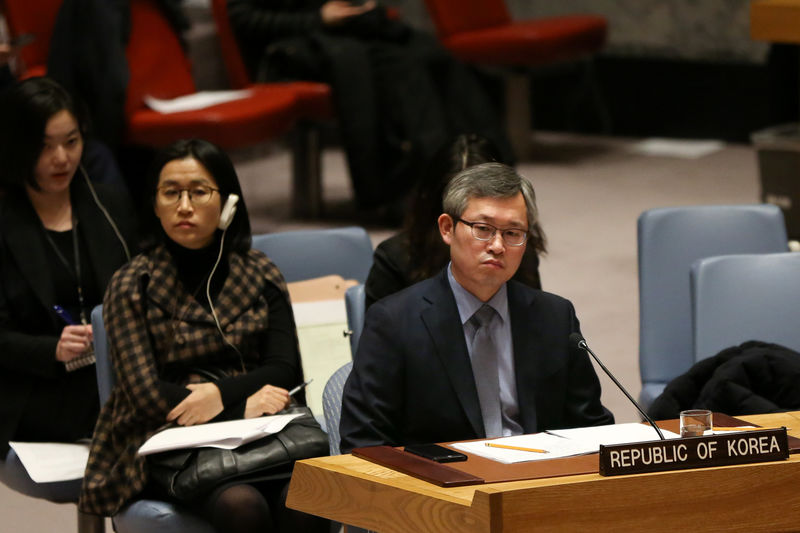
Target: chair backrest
x=37 y=18
x=238 y=77
x=455 y=16
x=157 y=62
x=669 y=241
x=105 y=373
x=332 y=404
x=355 y=302
x=308 y=254
x=736 y=298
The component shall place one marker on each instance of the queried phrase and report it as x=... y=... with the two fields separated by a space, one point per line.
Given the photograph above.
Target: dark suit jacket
x=412 y=381
x=29 y=329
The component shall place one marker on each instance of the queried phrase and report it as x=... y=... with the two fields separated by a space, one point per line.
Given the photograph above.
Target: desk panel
x=754 y=497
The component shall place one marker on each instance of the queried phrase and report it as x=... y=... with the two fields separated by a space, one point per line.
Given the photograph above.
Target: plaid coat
x=153 y=322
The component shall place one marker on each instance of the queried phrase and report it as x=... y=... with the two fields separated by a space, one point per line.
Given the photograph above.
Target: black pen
x=300 y=387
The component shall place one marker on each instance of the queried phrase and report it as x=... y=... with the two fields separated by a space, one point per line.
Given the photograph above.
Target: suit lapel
x=444 y=327
x=530 y=361
x=26 y=243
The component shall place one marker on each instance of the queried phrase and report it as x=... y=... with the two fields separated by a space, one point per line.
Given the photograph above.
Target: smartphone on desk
x=437 y=453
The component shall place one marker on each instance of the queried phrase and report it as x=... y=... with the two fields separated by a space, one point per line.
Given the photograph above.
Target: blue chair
x=332 y=404
x=737 y=298
x=669 y=241
x=141 y=515
x=308 y=254
x=355 y=304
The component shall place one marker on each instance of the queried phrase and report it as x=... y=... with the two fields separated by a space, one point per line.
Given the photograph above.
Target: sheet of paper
x=323 y=349
x=320 y=312
x=686 y=149
x=227 y=435
x=553 y=445
x=47 y=462
x=613 y=434
x=562 y=443
x=199 y=100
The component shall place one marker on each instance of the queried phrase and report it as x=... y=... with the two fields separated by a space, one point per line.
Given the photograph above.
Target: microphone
x=577 y=340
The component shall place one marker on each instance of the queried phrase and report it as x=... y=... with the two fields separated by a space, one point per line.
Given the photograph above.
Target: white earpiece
x=228 y=210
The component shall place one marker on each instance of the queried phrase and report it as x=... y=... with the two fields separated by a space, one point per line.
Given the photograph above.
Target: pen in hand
x=66 y=317
x=300 y=387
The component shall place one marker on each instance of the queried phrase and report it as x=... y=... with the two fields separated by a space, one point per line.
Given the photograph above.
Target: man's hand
x=73 y=342
x=268 y=400
x=202 y=404
x=337 y=11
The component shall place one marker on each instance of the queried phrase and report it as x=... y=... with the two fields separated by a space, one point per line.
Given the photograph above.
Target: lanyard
x=76 y=273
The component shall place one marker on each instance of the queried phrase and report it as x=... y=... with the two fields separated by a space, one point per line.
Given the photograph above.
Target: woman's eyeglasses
x=198 y=194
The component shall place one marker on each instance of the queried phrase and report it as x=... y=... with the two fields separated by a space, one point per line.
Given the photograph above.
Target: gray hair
x=493 y=180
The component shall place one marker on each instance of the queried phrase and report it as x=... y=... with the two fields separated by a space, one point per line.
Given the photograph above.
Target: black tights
x=259 y=507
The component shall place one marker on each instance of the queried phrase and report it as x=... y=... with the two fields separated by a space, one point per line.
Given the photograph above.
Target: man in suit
x=427 y=370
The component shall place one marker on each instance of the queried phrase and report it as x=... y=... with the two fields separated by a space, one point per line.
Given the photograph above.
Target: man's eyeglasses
x=486 y=232
x=198 y=194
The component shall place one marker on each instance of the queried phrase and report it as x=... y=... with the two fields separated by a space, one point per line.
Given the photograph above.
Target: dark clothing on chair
x=87 y=57
x=398 y=95
x=6 y=78
x=32 y=381
x=752 y=378
x=392 y=271
x=412 y=380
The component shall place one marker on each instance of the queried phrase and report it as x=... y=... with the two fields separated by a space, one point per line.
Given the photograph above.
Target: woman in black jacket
x=61 y=239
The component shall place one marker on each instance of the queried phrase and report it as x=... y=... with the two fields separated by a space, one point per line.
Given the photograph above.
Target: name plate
x=694 y=452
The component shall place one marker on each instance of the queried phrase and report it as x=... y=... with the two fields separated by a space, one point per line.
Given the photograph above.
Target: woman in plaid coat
x=164 y=332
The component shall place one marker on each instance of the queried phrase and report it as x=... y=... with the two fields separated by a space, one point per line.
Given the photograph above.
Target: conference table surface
x=749 y=497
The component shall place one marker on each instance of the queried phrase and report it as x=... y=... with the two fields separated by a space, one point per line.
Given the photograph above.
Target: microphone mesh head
x=575 y=340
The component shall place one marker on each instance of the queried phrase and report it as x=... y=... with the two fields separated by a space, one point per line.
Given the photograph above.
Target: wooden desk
x=754 y=497
x=775 y=21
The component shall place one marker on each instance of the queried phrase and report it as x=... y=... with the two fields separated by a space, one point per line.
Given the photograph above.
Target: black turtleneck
x=193 y=267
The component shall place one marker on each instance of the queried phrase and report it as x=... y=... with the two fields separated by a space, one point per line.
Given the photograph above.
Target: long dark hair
x=427 y=253
x=25 y=109
x=238 y=237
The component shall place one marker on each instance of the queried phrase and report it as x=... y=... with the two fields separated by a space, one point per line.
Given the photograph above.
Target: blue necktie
x=484 y=369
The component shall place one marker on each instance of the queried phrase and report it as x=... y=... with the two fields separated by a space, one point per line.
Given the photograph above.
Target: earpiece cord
x=105 y=212
x=211 y=304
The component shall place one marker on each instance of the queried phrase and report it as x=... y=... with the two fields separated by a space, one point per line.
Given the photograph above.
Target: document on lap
x=48 y=462
x=561 y=443
x=226 y=435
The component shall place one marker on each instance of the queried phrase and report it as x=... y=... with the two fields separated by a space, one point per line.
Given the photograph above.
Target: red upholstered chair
x=23 y=16
x=160 y=68
x=482 y=32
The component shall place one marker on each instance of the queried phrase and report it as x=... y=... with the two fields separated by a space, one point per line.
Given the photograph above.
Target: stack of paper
x=227 y=435
x=560 y=443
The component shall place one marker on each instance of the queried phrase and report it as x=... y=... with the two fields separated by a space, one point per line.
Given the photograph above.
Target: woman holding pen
x=200 y=329
x=61 y=239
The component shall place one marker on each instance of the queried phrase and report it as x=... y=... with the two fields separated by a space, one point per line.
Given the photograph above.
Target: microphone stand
x=580 y=342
